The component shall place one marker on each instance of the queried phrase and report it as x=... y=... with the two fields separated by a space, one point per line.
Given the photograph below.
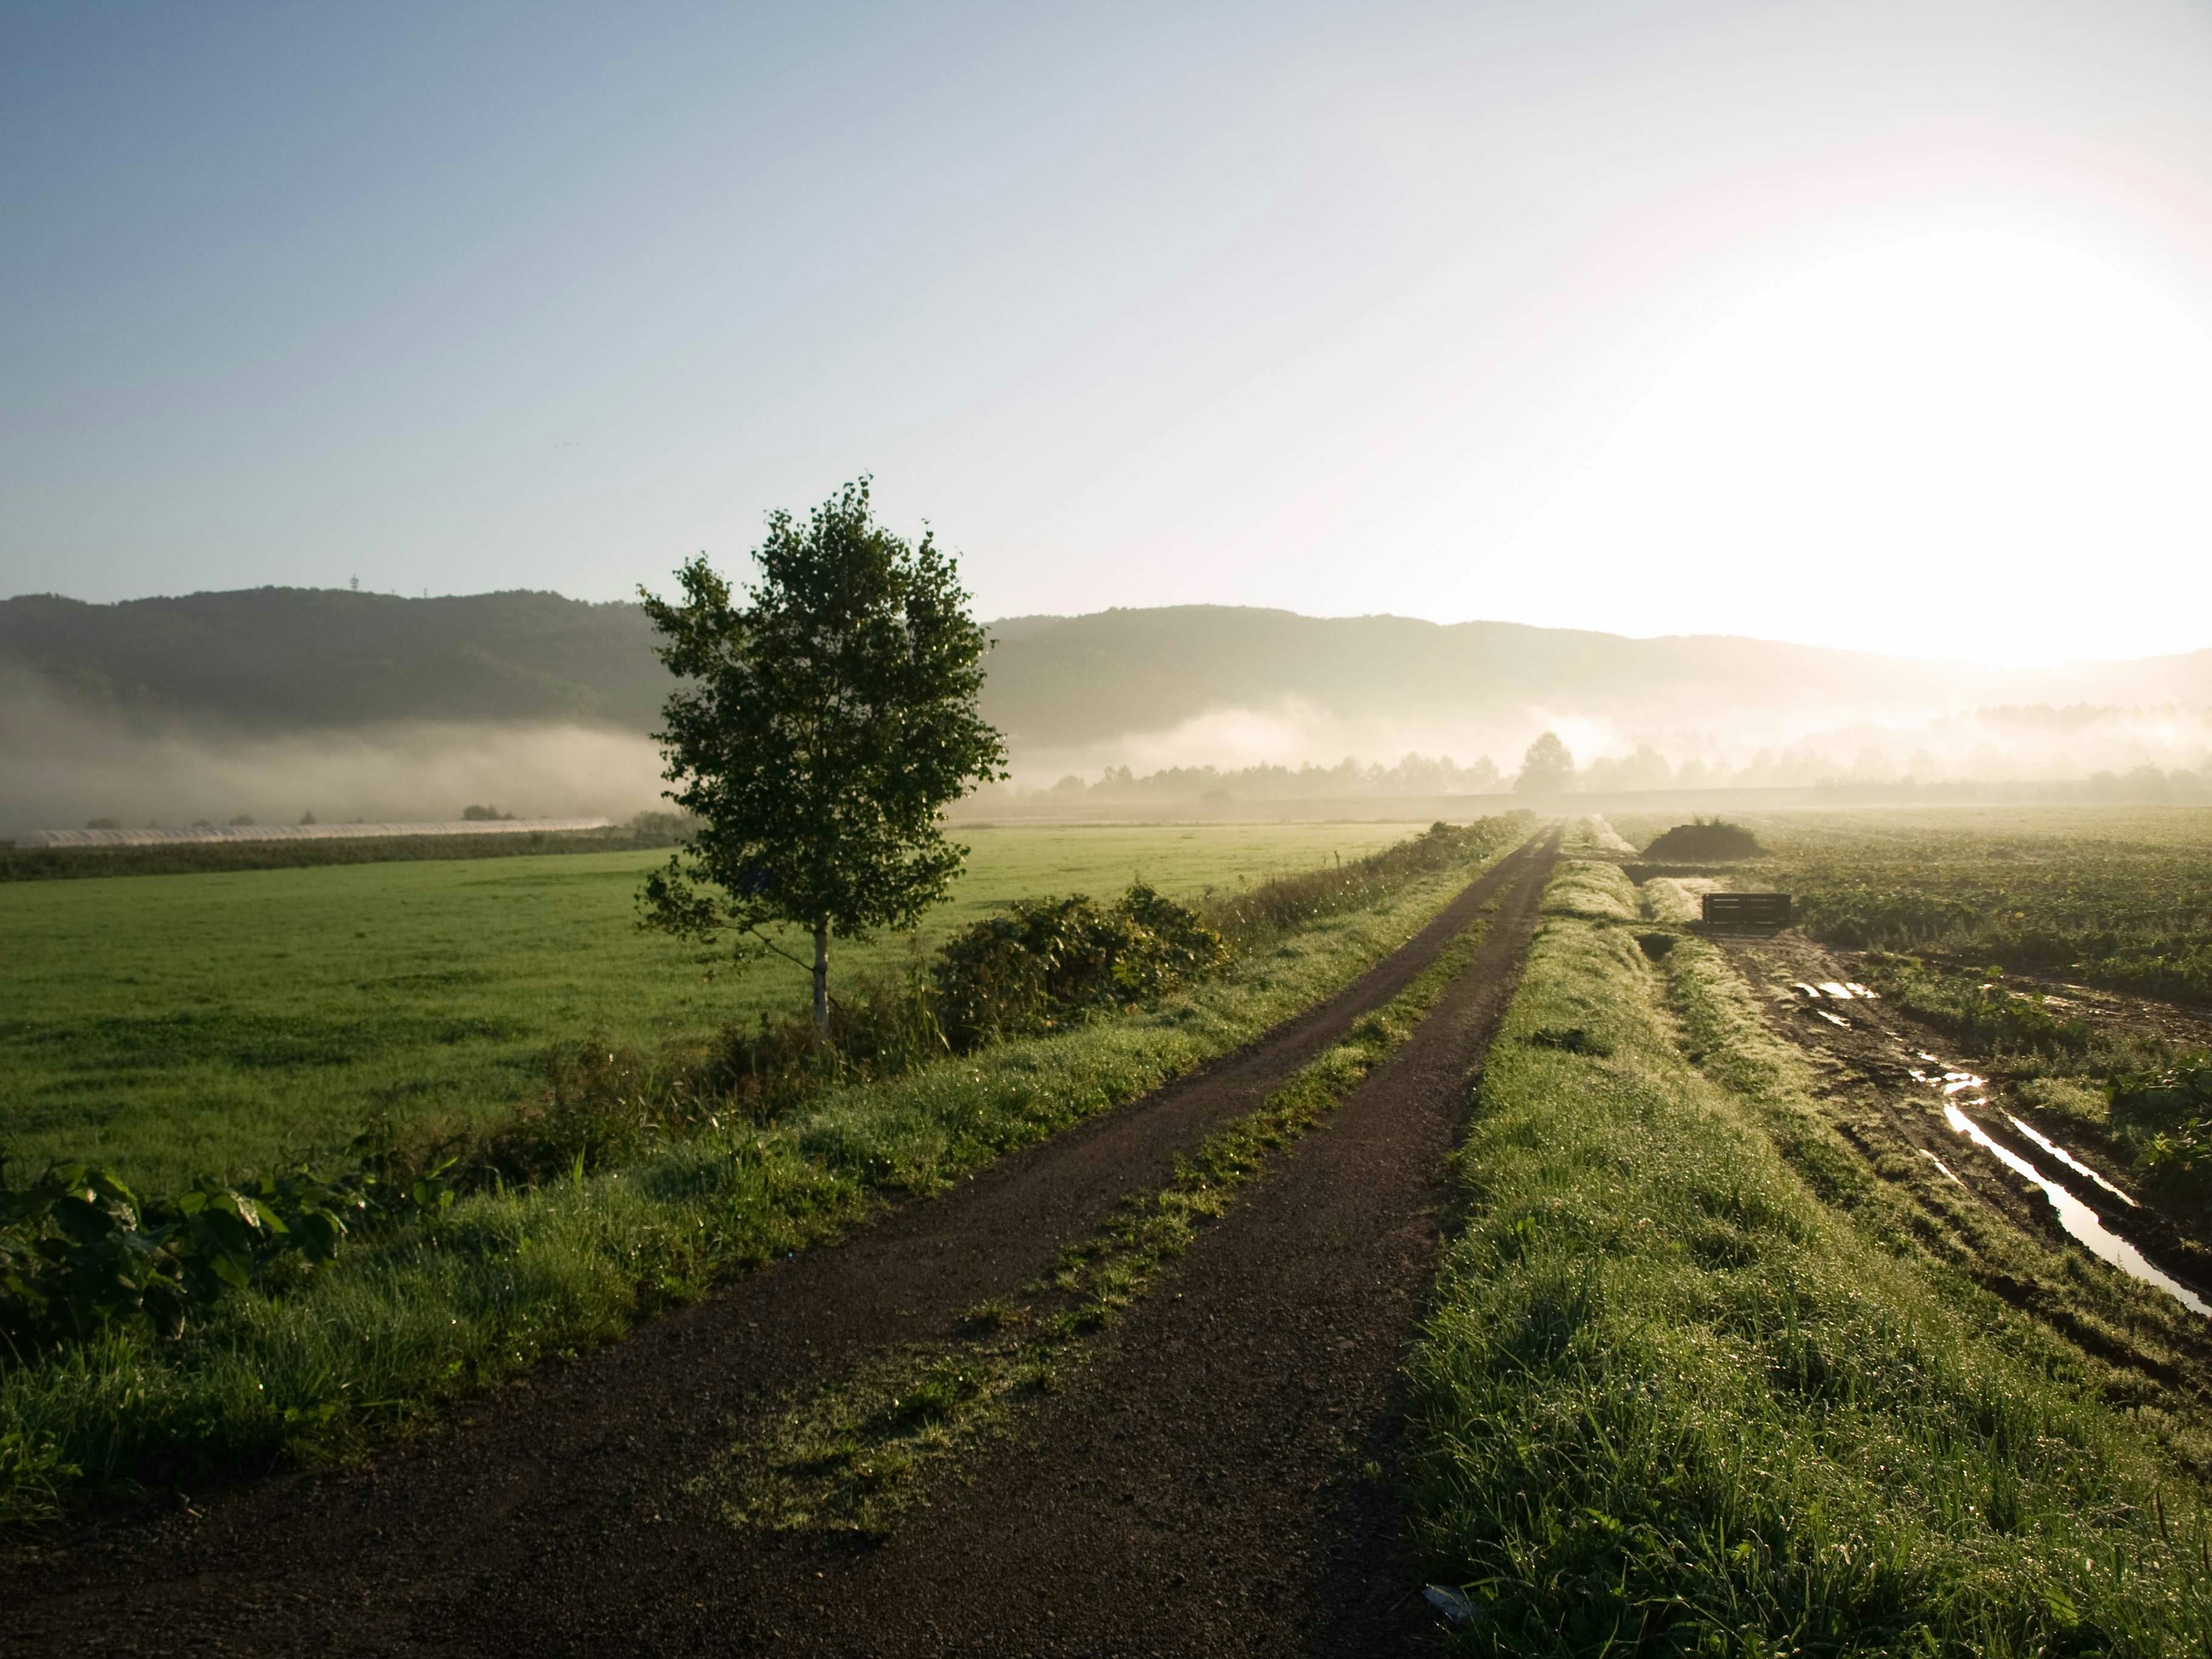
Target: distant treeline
x=1414 y=776
x=647 y=830
x=1645 y=769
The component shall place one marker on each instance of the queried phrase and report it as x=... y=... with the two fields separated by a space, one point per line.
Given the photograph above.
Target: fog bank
x=62 y=766
x=1747 y=746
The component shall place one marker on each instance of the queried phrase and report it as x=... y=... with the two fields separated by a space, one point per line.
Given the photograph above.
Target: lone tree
x=824 y=724
x=1546 y=769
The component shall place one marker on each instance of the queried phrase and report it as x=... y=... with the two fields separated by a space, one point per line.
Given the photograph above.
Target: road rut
x=1198 y=1489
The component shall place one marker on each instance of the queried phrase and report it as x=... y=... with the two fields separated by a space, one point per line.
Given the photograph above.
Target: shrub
x=1276 y=907
x=2170 y=1113
x=1048 y=962
x=79 y=1248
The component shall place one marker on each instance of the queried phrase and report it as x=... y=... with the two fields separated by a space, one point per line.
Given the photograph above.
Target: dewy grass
x=1670 y=1401
x=850 y=1457
x=503 y=1279
x=2116 y=897
x=167 y=1026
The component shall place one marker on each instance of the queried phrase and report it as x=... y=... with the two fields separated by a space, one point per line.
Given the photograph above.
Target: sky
x=1879 y=326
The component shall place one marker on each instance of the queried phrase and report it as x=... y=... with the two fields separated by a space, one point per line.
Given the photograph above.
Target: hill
x=301 y=658
x=1176 y=685
x=289 y=658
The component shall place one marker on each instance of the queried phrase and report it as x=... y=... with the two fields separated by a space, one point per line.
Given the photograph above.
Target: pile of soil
x=1700 y=841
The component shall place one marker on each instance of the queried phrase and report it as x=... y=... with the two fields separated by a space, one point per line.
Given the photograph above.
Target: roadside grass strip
x=850 y=1457
x=1677 y=898
x=1670 y=1401
x=396 y=1329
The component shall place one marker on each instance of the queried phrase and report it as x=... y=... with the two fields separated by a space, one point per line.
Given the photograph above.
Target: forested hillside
x=290 y=660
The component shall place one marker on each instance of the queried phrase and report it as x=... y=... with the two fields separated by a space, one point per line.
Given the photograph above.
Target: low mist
x=1730 y=748
x=62 y=766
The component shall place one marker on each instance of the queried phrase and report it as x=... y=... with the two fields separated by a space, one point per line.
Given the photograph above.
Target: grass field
x=404 y=1321
x=1984 y=923
x=171 y=1024
x=2119 y=896
x=1691 y=1384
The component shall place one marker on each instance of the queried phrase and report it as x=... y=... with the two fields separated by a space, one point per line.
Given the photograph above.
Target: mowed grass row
x=398 y=1326
x=169 y=1025
x=1689 y=1386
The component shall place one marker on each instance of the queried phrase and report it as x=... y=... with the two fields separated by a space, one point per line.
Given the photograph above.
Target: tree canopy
x=1546 y=769
x=824 y=722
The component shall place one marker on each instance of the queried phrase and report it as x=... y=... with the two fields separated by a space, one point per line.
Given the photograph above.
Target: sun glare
x=1973 y=445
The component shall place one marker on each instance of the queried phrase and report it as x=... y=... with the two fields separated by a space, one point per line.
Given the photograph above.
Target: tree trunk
x=822 y=977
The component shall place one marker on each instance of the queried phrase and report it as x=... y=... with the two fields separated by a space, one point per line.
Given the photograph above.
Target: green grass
x=2118 y=897
x=1688 y=1386
x=167 y=1025
x=1961 y=908
x=396 y=1329
x=850 y=1457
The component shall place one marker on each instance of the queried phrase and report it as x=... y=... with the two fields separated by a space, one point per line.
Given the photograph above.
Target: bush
x=1276 y=907
x=1705 y=840
x=2169 y=1113
x=78 y=1249
x=1048 y=962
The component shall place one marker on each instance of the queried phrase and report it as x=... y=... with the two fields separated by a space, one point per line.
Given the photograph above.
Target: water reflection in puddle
x=1939 y=1163
x=1951 y=1083
x=2080 y=1221
x=2067 y=1158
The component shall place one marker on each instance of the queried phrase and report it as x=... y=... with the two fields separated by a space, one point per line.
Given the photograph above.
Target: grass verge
x=1684 y=1390
x=483 y=1290
x=850 y=1457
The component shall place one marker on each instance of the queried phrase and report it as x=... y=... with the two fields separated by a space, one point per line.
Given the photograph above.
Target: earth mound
x=1705 y=841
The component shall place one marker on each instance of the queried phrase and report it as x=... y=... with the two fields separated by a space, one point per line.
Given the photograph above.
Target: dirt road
x=1215 y=1480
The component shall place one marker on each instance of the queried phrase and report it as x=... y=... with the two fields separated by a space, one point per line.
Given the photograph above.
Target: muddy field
x=1970 y=1147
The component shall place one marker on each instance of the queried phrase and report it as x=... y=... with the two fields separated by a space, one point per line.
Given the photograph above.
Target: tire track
x=546 y=1520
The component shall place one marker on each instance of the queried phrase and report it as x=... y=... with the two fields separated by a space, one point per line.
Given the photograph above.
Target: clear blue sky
x=1813 y=320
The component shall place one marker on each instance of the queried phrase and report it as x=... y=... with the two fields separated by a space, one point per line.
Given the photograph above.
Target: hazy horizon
x=1882 y=327
x=252 y=709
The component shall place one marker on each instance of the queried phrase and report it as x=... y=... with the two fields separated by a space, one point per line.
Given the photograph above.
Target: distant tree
x=823 y=724
x=1546 y=769
x=485 y=815
x=241 y=820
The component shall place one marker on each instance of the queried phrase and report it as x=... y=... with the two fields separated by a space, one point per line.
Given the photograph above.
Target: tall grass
x=1672 y=1398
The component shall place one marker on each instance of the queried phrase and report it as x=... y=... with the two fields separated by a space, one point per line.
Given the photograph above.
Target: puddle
x=2080 y=1221
x=1837 y=990
x=1951 y=1083
x=1809 y=991
x=1939 y=1163
x=1834 y=1019
x=1859 y=990
x=2069 y=1160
